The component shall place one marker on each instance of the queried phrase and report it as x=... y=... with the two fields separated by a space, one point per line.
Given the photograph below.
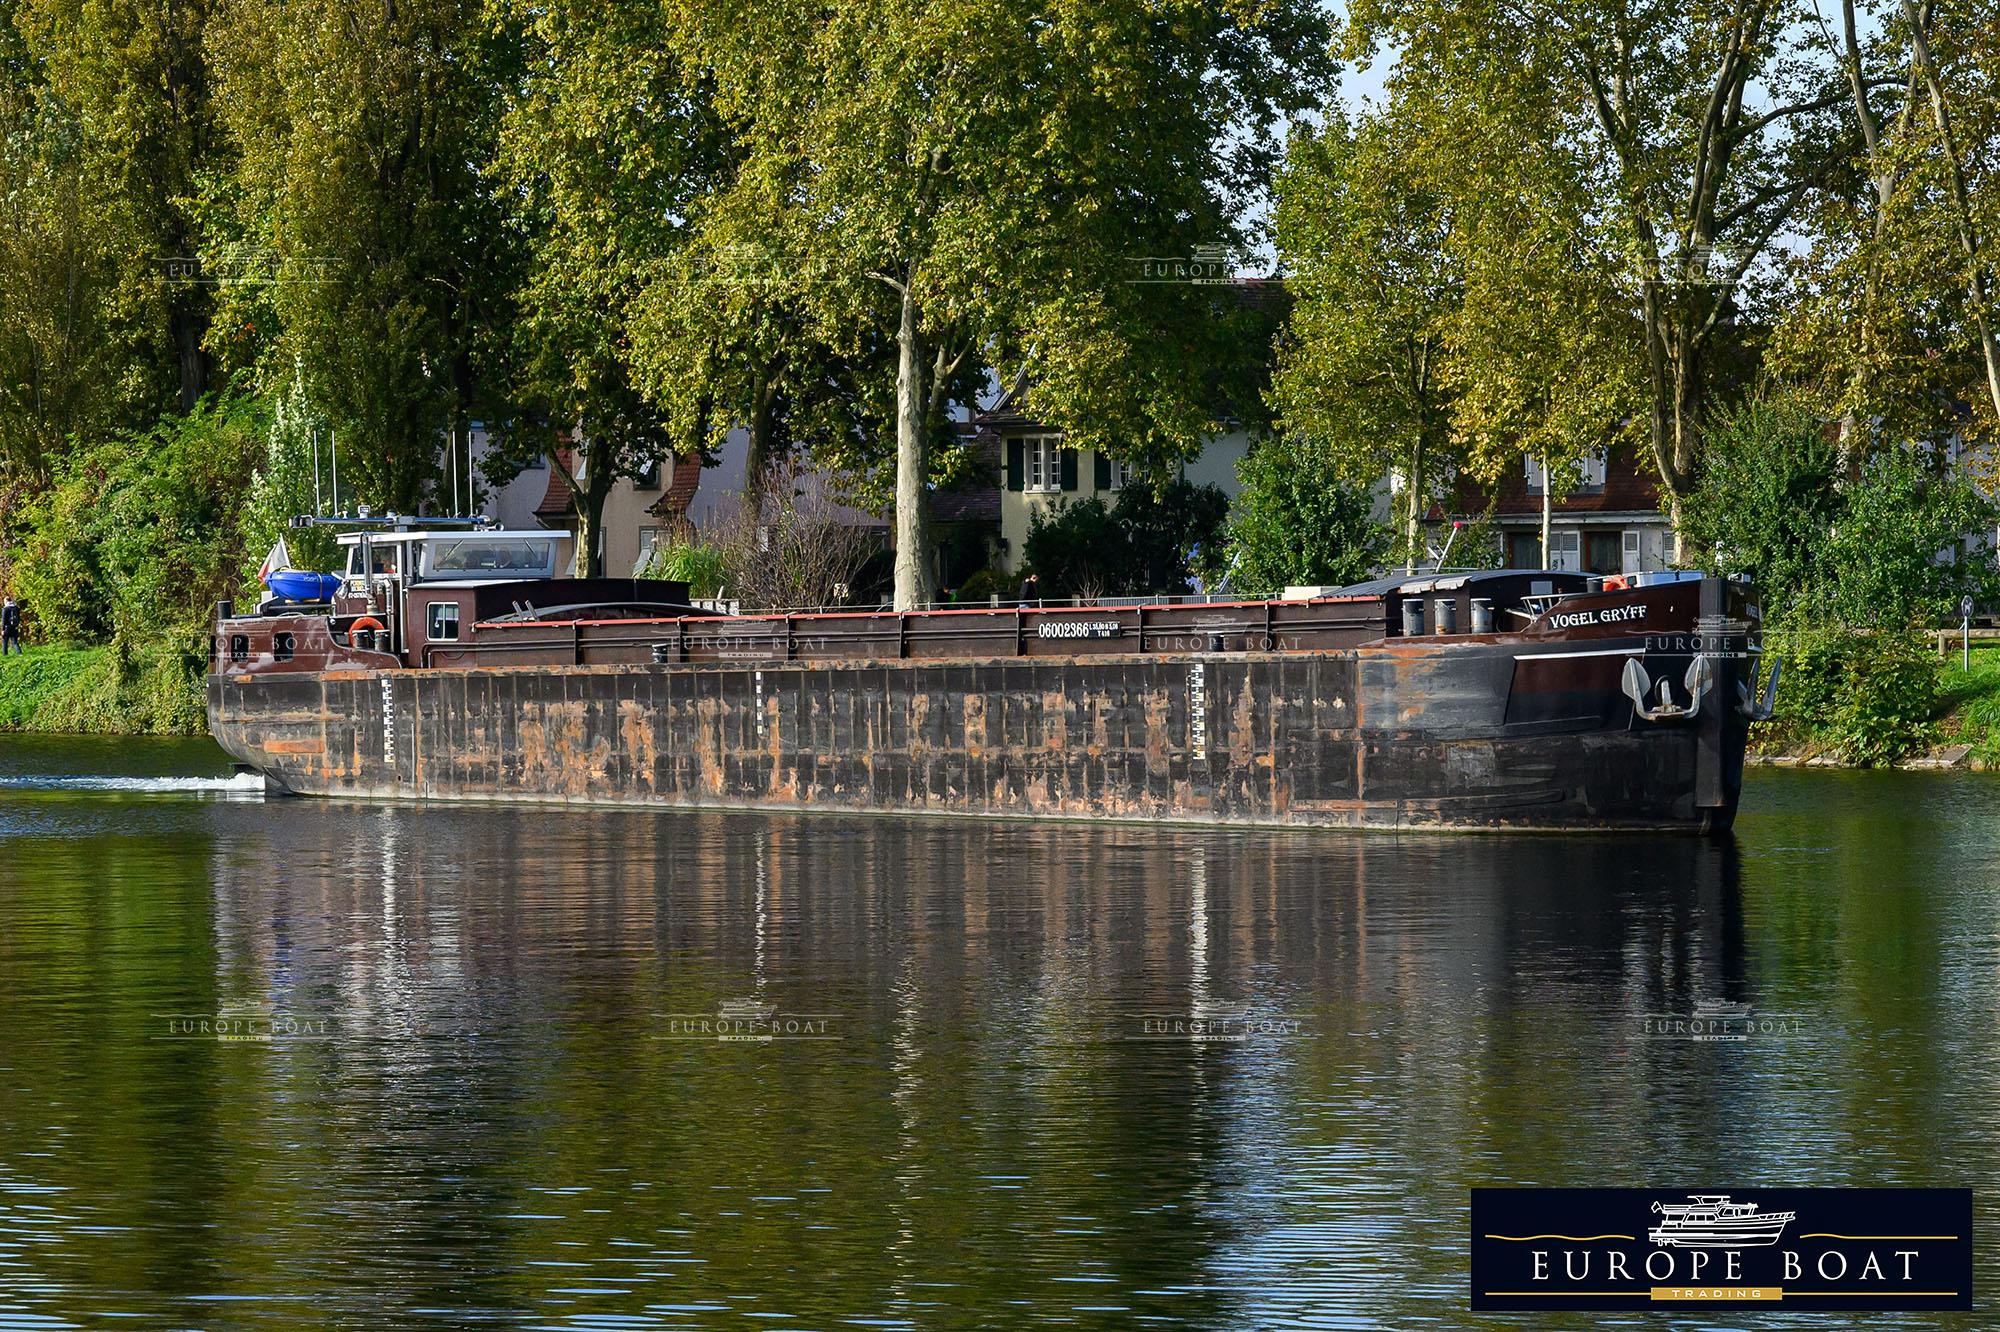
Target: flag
x=278 y=559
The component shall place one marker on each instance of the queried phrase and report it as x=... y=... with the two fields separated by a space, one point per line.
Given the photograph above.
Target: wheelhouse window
x=511 y=557
x=385 y=559
x=441 y=626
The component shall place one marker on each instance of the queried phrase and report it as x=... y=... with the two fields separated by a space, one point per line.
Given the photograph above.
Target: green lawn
x=1972 y=703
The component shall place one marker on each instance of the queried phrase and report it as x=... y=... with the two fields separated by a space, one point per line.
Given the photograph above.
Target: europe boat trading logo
x=1807 y=1249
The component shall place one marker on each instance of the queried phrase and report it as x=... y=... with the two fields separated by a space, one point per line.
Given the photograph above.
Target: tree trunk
x=1968 y=238
x=186 y=328
x=590 y=523
x=1673 y=371
x=1548 y=514
x=586 y=494
x=1413 y=507
x=913 y=565
x=757 y=452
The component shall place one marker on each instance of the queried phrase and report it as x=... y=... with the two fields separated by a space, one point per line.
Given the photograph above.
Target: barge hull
x=1394 y=738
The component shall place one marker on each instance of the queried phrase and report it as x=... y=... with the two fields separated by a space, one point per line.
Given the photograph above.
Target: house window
x=1566 y=551
x=442 y=625
x=1121 y=474
x=1601 y=552
x=1524 y=550
x=651 y=539
x=648 y=477
x=1580 y=477
x=1044 y=464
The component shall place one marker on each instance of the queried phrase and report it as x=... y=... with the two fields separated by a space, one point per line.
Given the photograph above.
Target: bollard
x=1413 y=617
x=1447 y=615
x=1482 y=615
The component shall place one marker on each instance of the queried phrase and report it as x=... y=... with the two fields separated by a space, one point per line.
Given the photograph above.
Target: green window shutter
x=1103 y=477
x=1016 y=465
x=1069 y=469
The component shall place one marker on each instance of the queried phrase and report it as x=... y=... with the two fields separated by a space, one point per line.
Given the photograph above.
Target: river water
x=301 y=1064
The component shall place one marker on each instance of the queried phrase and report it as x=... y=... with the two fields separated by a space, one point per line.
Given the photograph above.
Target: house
x=1040 y=472
x=1610 y=520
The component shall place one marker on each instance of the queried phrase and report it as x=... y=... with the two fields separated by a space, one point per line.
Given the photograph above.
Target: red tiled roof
x=1627 y=488
x=679 y=494
x=557 y=501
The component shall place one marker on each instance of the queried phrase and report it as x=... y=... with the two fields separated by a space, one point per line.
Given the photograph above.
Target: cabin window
x=443 y=624
x=282 y=647
x=239 y=648
x=385 y=559
x=473 y=555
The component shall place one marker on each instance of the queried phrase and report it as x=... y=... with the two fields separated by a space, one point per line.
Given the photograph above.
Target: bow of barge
x=1526 y=699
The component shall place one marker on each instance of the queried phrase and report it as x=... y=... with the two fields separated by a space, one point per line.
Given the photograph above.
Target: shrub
x=705 y=569
x=135 y=539
x=1300 y=522
x=1862 y=549
x=1868 y=696
x=1147 y=542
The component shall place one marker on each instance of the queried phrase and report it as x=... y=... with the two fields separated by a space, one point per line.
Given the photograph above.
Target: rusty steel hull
x=1406 y=735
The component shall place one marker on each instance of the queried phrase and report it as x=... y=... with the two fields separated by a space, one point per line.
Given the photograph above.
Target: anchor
x=1747 y=703
x=1698 y=680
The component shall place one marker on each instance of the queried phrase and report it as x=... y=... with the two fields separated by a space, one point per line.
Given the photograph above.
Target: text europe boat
x=458 y=664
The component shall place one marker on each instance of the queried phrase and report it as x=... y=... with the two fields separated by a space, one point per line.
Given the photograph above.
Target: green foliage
x=1367 y=232
x=1299 y=521
x=360 y=130
x=1861 y=551
x=704 y=568
x=283 y=489
x=135 y=539
x=97 y=691
x=986 y=584
x=1146 y=543
x=974 y=185
x=1869 y=697
x=1972 y=704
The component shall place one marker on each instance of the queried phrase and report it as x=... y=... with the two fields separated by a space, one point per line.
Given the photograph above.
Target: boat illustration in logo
x=1712 y=1221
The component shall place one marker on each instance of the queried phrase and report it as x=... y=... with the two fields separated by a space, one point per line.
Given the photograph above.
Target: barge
x=461 y=665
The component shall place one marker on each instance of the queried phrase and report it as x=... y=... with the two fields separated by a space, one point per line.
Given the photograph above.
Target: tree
x=363 y=132
x=1694 y=125
x=58 y=367
x=1864 y=551
x=969 y=180
x=1365 y=235
x=1886 y=319
x=1300 y=521
x=602 y=149
x=134 y=81
x=1145 y=542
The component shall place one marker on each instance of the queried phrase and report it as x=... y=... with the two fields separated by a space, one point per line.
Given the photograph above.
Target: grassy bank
x=99 y=691
x=1972 y=706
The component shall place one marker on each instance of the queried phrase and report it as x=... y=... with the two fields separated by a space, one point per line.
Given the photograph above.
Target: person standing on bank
x=10 y=627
